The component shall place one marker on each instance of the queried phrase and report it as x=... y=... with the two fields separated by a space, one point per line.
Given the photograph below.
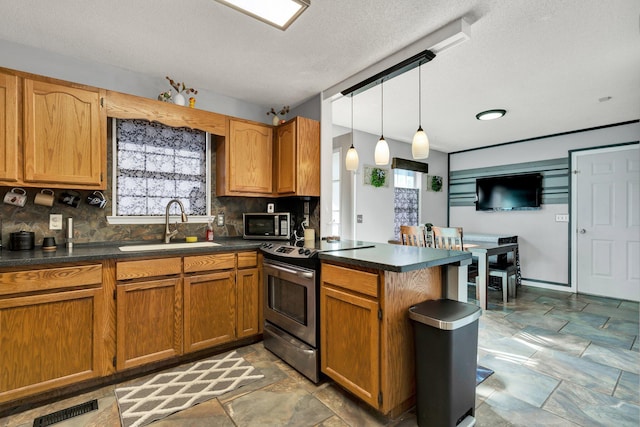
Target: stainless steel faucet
x=168 y=234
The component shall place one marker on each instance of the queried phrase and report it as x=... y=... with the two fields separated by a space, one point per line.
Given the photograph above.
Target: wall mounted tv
x=510 y=192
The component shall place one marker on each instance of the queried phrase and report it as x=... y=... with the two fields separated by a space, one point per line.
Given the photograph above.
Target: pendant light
x=420 y=144
x=381 y=154
x=351 y=161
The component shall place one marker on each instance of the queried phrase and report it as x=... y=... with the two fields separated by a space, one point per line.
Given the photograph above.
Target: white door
x=606 y=222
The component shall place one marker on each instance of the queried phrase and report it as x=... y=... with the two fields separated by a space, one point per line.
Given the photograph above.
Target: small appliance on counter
x=21 y=240
x=268 y=226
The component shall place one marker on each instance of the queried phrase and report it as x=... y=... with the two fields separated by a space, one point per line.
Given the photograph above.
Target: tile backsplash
x=91 y=226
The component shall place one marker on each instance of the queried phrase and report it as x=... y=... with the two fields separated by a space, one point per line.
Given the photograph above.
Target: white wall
x=37 y=61
x=376 y=204
x=544 y=243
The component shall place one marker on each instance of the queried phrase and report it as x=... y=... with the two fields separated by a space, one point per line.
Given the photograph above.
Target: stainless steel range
x=292 y=302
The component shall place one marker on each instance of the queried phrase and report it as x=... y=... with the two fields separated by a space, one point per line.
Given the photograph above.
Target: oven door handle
x=305 y=274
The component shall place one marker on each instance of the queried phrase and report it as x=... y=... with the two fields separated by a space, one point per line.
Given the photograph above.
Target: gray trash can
x=446 y=341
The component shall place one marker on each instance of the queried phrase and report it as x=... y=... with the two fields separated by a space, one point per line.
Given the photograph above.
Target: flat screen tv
x=512 y=192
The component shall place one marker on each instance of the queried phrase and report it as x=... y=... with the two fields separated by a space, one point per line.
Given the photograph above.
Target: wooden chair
x=447 y=238
x=412 y=235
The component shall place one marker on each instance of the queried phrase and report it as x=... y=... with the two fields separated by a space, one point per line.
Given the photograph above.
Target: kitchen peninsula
x=367 y=342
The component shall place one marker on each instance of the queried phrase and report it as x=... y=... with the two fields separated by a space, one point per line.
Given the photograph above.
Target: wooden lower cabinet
x=367 y=343
x=249 y=302
x=350 y=351
x=149 y=321
x=49 y=340
x=209 y=310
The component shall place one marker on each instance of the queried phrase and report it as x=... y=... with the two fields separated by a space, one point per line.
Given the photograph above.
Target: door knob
x=582 y=231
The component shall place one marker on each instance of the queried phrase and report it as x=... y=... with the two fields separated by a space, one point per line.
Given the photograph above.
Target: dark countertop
x=397 y=257
x=108 y=250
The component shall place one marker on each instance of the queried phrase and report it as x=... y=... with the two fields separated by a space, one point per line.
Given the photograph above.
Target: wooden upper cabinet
x=64 y=136
x=125 y=106
x=244 y=160
x=285 y=156
x=297 y=157
x=8 y=128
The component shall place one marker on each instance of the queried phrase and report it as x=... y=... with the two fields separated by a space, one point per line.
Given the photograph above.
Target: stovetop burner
x=311 y=250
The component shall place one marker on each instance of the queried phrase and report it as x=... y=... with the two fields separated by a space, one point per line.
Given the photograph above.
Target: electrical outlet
x=220 y=220
x=305 y=221
x=562 y=217
x=306 y=209
x=359 y=219
x=55 y=222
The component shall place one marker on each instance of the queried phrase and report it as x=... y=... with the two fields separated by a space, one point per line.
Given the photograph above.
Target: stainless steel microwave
x=268 y=226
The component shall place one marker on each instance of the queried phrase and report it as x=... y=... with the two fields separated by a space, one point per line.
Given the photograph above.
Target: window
x=406 y=201
x=153 y=164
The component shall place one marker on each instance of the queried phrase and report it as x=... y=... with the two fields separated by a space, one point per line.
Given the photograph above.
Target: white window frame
x=155 y=219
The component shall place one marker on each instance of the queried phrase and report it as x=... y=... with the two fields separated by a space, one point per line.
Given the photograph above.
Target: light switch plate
x=220 y=220
x=55 y=222
x=359 y=219
x=562 y=217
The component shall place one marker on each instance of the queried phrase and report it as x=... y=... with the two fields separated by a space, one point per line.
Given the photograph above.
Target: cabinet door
x=249 y=302
x=49 y=340
x=64 y=136
x=209 y=310
x=149 y=325
x=308 y=157
x=250 y=157
x=350 y=342
x=285 y=156
x=8 y=128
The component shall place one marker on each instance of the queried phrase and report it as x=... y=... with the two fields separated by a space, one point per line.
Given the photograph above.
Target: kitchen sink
x=166 y=246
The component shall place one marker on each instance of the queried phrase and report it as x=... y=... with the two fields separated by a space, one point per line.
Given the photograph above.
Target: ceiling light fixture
x=381 y=154
x=420 y=143
x=491 y=114
x=279 y=13
x=351 y=161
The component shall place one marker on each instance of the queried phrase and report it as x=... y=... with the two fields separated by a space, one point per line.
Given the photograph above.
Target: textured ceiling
x=547 y=62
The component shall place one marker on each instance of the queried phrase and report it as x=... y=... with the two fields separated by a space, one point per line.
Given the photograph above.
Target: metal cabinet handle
x=582 y=231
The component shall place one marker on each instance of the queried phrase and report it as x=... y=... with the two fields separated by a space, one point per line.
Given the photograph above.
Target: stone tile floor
x=560 y=359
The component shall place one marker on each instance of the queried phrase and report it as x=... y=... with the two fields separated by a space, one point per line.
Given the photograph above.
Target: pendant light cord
x=420 y=95
x=382 y=108
x=352 y=120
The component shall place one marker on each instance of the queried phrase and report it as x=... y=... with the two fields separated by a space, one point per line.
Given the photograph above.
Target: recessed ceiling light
x=491 y=114
x=279 y=13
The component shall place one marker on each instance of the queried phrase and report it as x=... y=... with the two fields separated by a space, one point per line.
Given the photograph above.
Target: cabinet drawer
x=194 y=264
x=148 y=268
x=247 y=259
x=50 y=278
x=355 y=280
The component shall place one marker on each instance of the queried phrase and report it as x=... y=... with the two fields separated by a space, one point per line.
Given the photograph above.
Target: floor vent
x=65 y=414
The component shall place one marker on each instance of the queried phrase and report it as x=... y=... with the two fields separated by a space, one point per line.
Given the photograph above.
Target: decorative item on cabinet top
x=279 y=117
x=181 y=89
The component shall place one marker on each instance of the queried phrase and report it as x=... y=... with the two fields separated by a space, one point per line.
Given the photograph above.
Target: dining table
x=482 y=250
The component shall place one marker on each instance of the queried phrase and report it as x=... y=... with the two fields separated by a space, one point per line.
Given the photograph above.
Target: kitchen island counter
x=397 y=258
x=367 y=342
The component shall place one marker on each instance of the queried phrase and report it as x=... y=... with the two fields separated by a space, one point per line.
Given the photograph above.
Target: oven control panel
x=288 y=251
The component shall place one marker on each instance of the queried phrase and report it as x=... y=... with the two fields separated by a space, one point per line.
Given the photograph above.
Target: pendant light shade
x=381 y=154
x=420 y=143
x=351 y=161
